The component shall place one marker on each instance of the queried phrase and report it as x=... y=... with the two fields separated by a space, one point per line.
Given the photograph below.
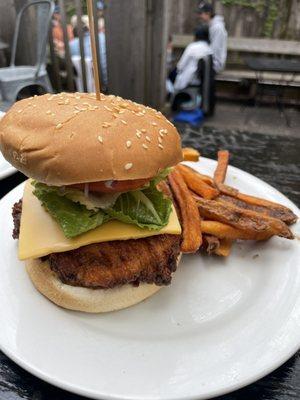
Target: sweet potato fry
x=266 y=208
x=245 y=220
x=207 y=179
x=210 y=243
x=224 y=248
x=228 y=190
x=190 y=218
x=190 y=154
x=220 y=172
x=224 y=231
x=195 y=183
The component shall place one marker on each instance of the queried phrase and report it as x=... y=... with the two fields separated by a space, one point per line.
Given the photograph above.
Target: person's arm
x=219 y=49
x=184 y=59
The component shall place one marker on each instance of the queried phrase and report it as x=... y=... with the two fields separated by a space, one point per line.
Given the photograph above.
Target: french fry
x=195 y=183
x=228 y=190
x=246 y=220
x=190 y=154
x=210 y=243
x=266 y=208
x=207 y=179
x=220 y=172
x=190 y=218
x=224 y=248
x=224 y=231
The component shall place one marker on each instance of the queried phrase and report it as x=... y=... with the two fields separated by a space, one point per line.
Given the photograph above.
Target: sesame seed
x=100 y=138
x=123 y=122
x=128 y=143
x=124 y=105
x=53 y=114
x=154 y=123
x=160 y=146
x=128 y=166
x=29 y=104
x=115 y=115
x=143 y=130
x=161 y=131
x=138 y=133
x=121 y=111
x=19 y=111
x=148 y=139
x=77 y=108
x=48 y=112
x=76 y=111
x=107 y=108
x=67 y=101
x=30 y=98
x=33 y=105
x=145 y=146
x=159 y=139
x=105 y=125
x=77 y=97
x=161 y=134
x=58 y=126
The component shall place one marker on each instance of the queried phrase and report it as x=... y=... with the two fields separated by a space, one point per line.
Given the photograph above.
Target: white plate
x=222 y=324
x=6 y=168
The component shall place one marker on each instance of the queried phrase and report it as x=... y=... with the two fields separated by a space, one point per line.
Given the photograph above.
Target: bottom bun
x=85 y=299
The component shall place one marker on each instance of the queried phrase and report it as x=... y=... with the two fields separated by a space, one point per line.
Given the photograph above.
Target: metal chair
x=14 y=78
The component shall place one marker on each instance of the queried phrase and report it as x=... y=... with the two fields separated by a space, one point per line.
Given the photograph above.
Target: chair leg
x=44 y=81
x=9 y=92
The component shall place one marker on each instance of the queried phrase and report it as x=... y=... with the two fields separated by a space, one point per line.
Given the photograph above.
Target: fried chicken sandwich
x=96 y=225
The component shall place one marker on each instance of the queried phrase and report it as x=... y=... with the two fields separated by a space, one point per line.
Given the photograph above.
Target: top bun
x=67 y=138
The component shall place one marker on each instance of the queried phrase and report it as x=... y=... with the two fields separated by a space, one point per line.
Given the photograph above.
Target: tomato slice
x=112 y=186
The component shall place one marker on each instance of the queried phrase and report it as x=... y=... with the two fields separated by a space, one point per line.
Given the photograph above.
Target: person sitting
x=217 y=34
x=187 y=66
x=75 y=45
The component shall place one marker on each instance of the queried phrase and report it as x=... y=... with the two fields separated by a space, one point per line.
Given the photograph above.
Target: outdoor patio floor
x=262 y=119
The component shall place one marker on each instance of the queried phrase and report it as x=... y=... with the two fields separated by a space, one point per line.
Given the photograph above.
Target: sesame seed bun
x=72 y=138
x=85 y=299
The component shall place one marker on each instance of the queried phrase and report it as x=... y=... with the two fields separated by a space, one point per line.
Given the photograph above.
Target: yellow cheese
x=41 y=235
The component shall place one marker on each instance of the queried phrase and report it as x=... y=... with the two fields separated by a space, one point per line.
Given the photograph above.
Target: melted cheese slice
x=41 y=235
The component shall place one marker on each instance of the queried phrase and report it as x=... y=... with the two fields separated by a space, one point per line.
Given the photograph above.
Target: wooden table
x=274 y=159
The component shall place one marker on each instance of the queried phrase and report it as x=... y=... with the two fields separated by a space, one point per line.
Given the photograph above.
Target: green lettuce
x=73 y=218
x=146 y=208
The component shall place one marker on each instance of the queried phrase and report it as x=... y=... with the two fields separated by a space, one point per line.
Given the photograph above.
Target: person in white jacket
x=187 y=66
x=217 y=34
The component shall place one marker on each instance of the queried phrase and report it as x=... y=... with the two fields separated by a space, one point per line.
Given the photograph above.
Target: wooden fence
x=277 y=19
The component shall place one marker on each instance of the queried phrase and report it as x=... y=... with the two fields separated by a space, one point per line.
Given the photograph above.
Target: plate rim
x=93 y=394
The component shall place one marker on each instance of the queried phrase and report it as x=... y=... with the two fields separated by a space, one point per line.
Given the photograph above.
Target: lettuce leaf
x=160 y=177
x=146 y=208
x=76 y=214
x=73 y=218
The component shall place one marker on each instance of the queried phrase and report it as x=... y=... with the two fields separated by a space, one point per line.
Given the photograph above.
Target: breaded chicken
x=110 y=264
